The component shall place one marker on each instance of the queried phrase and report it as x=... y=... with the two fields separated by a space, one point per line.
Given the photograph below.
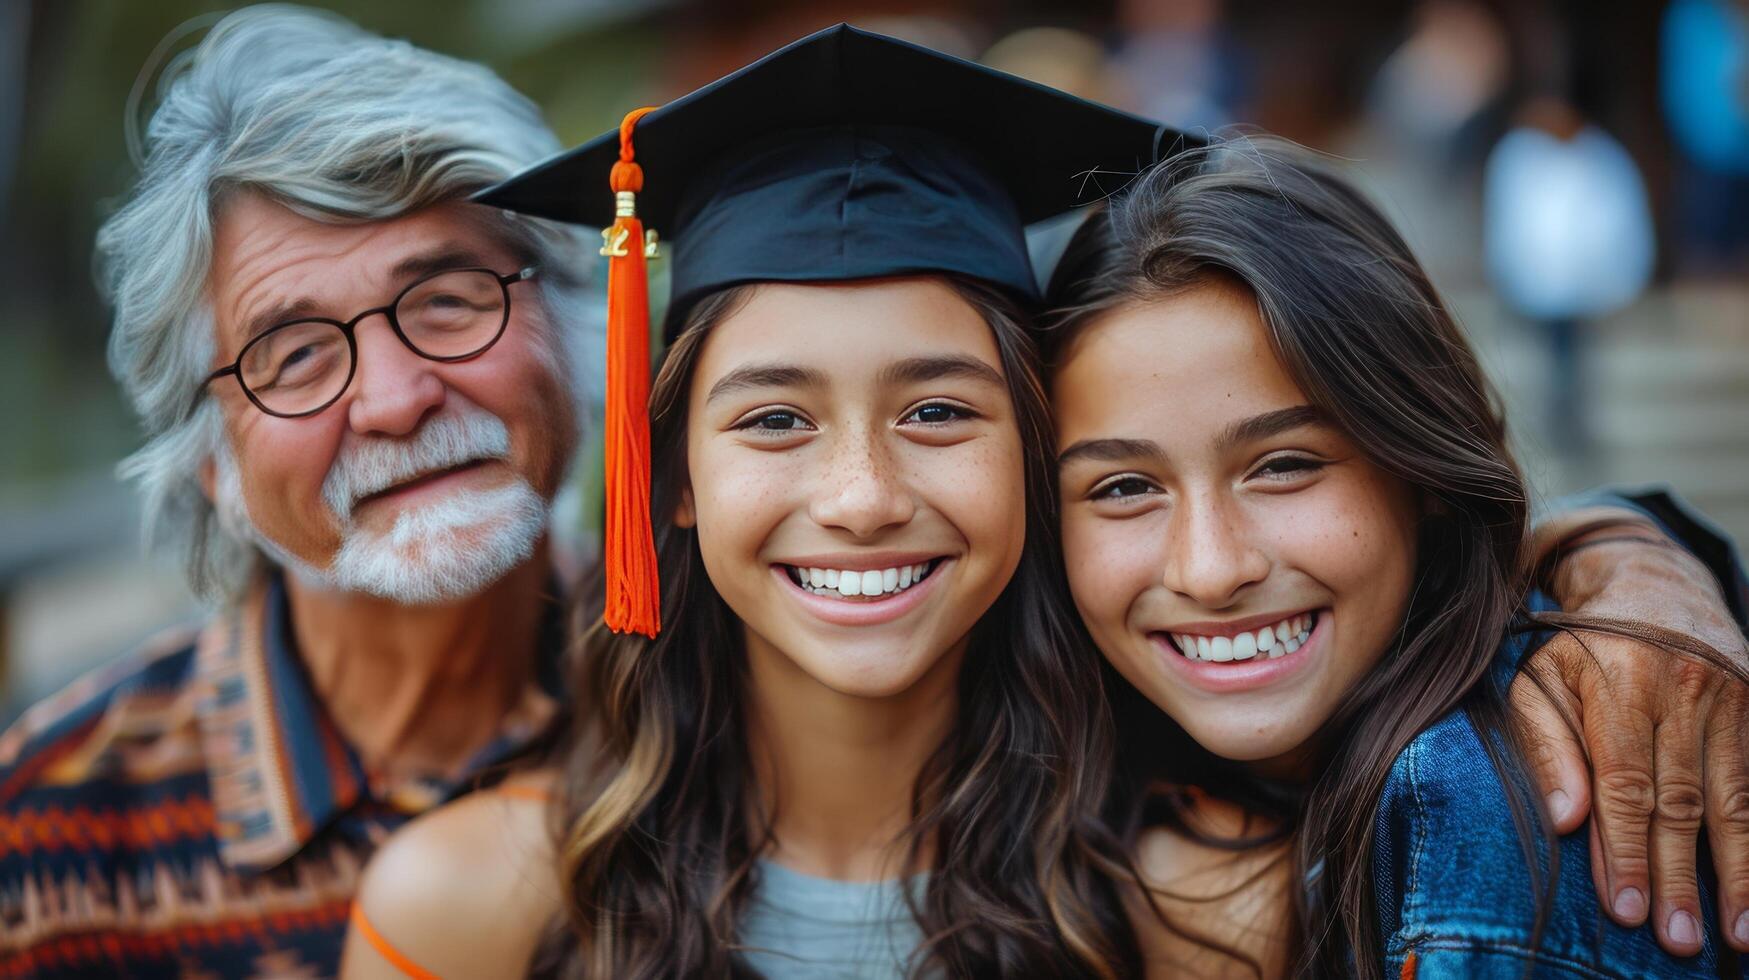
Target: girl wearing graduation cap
x=1293 y=525
x=837 y=719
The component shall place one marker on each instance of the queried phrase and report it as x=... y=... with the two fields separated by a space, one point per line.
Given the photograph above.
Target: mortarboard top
x=850 y=155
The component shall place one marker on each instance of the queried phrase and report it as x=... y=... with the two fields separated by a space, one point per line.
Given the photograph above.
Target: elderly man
x=356 y=390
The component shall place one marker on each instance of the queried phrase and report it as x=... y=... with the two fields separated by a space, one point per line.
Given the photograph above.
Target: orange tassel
x=634 y=593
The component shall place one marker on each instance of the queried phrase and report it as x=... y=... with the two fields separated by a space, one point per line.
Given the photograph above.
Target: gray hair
x=340 y=126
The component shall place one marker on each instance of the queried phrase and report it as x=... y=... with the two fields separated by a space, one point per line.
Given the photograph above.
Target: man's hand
x=1666 y=738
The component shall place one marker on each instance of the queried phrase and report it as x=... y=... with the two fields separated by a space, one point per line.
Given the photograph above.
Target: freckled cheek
x=1357 y=538
x=1109 y=563
x=980 y=487
x=741 y=495
x=1327 y=531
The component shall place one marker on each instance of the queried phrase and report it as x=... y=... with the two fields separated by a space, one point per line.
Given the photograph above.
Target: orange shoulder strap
x=395 y=957
x=522 y=791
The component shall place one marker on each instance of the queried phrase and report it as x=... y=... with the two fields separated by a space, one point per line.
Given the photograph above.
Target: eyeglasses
x=301 y=367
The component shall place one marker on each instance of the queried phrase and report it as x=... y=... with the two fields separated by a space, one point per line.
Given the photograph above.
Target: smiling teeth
x=851 y=583
x=1268 y=642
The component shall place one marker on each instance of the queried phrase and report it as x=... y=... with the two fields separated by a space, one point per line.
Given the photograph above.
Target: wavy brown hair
x=1356 y=322
x=663 y=831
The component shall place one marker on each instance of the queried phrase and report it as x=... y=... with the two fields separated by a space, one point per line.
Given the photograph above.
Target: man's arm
x=1665 y=738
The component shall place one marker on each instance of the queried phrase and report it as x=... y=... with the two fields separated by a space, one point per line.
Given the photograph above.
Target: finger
x=1620 y=738
x=1677 y=806
x=1727 y=811
x=1557 y=759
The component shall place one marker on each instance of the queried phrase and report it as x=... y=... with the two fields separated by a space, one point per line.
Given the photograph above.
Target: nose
x=862 y=489
x=1211 y=552
x=393 y=389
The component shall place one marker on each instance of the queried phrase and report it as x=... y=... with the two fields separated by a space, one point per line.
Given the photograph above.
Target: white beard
x=445 y=550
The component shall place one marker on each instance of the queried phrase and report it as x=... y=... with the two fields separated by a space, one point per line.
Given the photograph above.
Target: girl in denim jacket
x=1293 y=525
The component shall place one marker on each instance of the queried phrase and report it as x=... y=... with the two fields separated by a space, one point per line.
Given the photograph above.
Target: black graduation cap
x=850 y=155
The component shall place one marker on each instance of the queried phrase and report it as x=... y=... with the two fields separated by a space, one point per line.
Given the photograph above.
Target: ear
x=685 y=514
x=209 y=479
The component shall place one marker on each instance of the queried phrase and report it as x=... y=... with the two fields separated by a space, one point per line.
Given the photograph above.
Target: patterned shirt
x=193 y=812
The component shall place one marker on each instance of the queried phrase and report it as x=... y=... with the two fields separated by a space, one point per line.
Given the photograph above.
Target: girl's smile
x=1244 y=655
x=862 y=592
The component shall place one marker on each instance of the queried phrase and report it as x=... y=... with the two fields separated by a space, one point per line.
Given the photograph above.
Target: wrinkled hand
x=1666 y=738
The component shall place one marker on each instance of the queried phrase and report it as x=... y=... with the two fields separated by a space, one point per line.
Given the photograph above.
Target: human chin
x=1254 y=729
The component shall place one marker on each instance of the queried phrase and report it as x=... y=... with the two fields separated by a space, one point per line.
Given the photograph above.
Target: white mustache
x=374 y=465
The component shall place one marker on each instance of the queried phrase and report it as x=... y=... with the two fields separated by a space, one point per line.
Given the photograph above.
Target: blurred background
x=1575 y=174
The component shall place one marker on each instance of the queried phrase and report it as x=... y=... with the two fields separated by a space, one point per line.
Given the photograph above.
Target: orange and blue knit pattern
x=192 y=812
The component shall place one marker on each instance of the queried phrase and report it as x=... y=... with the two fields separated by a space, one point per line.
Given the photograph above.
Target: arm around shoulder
x=461 y=892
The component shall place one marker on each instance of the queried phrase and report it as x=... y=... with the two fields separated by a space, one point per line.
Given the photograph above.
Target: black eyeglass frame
x=349 y=327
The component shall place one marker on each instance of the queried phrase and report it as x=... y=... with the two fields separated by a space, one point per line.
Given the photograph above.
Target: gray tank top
x=800 y=926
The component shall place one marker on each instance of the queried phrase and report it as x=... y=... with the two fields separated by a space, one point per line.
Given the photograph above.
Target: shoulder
x=1459 y=879
x=97 y=726
x=1444 y=766
x=1444 y=829
x=463 y=890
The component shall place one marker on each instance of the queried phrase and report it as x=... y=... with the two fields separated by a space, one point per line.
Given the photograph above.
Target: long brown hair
x=1358 y=325
x=662 y=835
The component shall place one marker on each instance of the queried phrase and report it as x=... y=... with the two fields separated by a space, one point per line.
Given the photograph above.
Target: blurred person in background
x=1176 y=61
x=1705 y=95
x=1435 y=87
x=1430 y=118
x=357 y=392
x=1568 y=238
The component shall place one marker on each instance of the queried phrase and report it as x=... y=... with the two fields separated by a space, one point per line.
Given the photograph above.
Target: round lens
x=296 y=368
x=454 y=314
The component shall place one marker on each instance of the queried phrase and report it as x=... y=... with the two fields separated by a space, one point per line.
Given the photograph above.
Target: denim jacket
x=1454 y=895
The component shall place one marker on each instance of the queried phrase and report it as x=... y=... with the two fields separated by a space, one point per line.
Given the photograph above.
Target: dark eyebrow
x=450 y=255
x=1269 y=424
x=1245 y=430
x=766 y=376
x=1111 y=451
x=915 y=370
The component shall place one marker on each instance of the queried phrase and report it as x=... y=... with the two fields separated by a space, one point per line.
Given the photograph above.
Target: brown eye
x=1288 y=466
x=776 y=421
x=937 y=413
x=1129 y=486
